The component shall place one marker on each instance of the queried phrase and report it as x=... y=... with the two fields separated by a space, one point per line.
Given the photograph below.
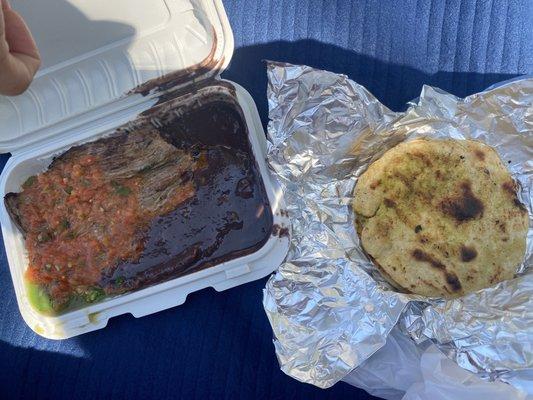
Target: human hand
x=19 y=57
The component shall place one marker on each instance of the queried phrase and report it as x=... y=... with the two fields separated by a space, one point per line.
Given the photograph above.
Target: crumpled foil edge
x=329 y=307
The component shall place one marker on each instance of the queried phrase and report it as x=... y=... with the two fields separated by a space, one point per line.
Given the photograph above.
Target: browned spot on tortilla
x=407 y=181
x=383 y=228
x=486 y=171
x=424 y=157
x=468 y=253
x=430 y=284
x=438 y=174
x=519 y=204
x=480 y=154
x=389 y=203
x=375 y=184
x=497 y=276
x=465 y=206
x=509 y=187
x=418 y=228
x=385 y=275
x=502 y=227
x=420 y=255
x=453 y=281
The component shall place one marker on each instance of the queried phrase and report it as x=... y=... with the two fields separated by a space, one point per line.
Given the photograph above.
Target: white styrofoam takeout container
x=94 y=54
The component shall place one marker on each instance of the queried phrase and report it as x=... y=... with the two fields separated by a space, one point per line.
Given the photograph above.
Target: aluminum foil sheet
x=329 y=307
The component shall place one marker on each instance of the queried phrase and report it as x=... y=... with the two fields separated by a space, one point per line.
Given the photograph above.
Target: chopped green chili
x=120 y=189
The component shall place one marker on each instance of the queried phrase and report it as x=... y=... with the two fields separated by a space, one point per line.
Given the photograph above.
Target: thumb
x=17 y=34
x=19 y=57
x=4 y=47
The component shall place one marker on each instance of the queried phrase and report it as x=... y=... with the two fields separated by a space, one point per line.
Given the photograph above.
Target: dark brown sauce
x=228 y=217
x=280 y=231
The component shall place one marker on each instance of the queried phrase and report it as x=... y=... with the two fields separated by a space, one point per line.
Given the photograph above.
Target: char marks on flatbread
x=441 y=217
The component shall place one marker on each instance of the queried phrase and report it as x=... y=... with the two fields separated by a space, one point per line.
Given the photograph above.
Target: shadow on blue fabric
x=394 y=85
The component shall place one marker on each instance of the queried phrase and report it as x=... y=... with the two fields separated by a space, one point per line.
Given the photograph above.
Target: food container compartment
x=243 y=255
x=190 y=86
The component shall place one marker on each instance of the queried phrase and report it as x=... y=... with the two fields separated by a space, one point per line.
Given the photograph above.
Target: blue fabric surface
x=218 y=345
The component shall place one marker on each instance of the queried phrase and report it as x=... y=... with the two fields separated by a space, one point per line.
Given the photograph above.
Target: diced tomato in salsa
x=79 y=224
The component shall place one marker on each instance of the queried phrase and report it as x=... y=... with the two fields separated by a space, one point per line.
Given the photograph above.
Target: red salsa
x=78 y=223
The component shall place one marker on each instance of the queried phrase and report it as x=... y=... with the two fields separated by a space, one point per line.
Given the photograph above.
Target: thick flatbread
x=441 y=217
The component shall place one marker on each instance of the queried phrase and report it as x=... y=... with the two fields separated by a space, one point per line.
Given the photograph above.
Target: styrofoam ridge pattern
x=194 y=29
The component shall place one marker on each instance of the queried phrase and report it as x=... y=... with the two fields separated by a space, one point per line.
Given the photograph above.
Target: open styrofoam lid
x=96 y=52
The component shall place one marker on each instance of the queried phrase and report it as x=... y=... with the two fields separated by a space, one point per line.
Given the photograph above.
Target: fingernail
x=6 y=5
